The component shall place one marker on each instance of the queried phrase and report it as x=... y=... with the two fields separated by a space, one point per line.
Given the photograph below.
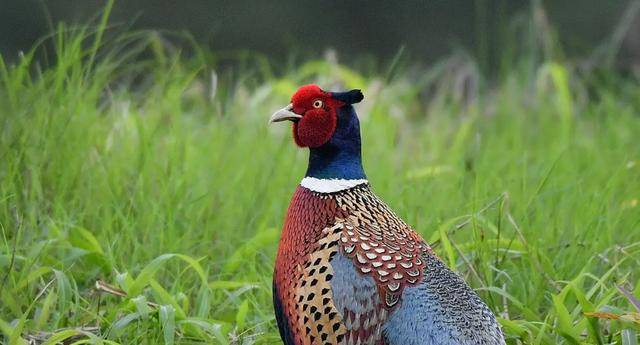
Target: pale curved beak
x=285 y=113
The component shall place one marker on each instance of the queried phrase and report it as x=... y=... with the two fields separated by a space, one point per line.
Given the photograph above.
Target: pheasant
x=348 y=270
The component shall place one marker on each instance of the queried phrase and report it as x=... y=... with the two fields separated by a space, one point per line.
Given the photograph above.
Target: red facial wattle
x=315 y=128
x=319 y=117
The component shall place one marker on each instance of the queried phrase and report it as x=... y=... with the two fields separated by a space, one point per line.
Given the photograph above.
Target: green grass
x=122 y=161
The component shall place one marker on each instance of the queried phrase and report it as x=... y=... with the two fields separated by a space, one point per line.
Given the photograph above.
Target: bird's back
x=349 y=271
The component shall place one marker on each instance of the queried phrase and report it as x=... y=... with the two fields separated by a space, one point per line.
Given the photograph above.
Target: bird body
x=348 y=270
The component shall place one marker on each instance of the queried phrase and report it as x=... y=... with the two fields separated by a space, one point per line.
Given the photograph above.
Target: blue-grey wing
x=441 y=310
x=357 y=299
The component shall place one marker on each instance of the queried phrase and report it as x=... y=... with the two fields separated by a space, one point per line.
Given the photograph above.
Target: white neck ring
x=329 y=185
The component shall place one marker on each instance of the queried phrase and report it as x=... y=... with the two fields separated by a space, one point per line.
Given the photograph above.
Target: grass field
x=125 y=162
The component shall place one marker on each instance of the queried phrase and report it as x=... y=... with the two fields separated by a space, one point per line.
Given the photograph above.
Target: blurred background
x=142 y=192
x=423 y=31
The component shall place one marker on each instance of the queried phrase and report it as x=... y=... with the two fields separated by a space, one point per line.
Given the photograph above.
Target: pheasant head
x=326 y=123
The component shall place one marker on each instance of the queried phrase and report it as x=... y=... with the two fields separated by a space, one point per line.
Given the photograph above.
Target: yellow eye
x=317 y=104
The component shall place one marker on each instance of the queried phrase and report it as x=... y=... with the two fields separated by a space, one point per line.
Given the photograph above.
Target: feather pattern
x=302 y=273
x=349 y=271
x=380 y=244
x=441 y=310
x=356 y=297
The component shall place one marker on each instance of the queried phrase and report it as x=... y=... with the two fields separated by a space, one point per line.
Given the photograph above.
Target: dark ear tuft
x=348 y=97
